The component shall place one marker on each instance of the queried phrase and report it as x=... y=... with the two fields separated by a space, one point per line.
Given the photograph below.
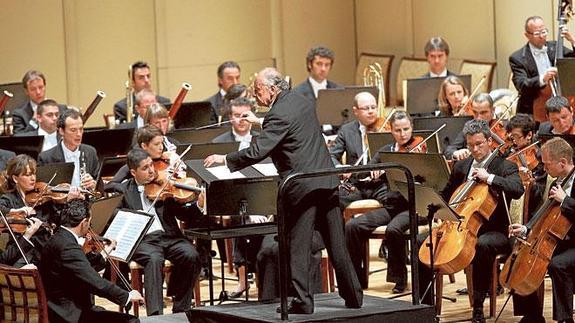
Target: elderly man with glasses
x=532 y=64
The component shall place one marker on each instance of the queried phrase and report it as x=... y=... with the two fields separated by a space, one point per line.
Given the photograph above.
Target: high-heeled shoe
x=238 y=294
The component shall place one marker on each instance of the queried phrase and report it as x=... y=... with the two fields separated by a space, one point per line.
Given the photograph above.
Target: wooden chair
x=408 y=68
x=477 y=70
x=366 y=59
x=23 y=296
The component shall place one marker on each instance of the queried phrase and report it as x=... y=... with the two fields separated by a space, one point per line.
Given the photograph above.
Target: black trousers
x=489 y=245
x=562 y=272
x=153 y=250
x=358 y=229
x=320 y=210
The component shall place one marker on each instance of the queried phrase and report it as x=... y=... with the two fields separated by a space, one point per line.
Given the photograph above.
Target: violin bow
x=113 y=265
x=14 y=237
x=507 y=107
x=44 y=190
x=427 y=138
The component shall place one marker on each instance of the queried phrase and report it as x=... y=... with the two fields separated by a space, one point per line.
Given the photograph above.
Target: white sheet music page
x=223 y=172
x=267 y=169
x=126 y=229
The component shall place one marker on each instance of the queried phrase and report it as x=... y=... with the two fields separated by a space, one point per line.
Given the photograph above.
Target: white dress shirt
x=542 y=60
x=442 y=74
x=244 y=141
x=50 y=139
x=156 y=225
x=316 y=86
x=73 y=156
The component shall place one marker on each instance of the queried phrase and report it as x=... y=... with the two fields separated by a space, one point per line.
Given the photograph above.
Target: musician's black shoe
x=383 y=252
x=566 y=321
x=461 y=291
x=532 y=319
x=398 y=289
x=478 y=316
x=297 y=307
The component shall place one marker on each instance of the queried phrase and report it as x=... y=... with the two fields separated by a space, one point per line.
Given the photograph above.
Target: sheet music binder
x=128 y=228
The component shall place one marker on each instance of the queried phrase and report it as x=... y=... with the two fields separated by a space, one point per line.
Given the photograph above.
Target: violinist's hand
x=258 y=219
x=202 y=200
x=345 y=176
x=480 y=173
x=108 y=248
x=550 y=73
x=557 y=193
x=251 y=117
x=517 y=230
x=134 y=295
x=375 y=174
x=567 y=35
x=461 y=154
x=29 y=266
x=214 y=159
x=25 y=209
x=34 y=225
x=74 y=194
x=88 y=182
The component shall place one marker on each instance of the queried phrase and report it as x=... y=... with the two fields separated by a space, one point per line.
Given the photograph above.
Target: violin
x=499 y=135
x=43 y=193
x=465 y=109
x=414 y=145
x=525 y=269
x=183 y=190
x=17 y=220
x=94 y=243
x=454 y=242
x=526 y=158
x=163 y=162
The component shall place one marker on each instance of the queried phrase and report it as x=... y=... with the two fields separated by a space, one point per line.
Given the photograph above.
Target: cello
x=525 y=268
x=454 y=242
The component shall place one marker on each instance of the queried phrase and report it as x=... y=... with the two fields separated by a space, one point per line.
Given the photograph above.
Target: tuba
x=373 y=76
x=129 y=96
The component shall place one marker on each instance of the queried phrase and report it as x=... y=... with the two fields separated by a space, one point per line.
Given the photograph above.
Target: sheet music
x=267 y=169
x=126 y=228
x=223 y=172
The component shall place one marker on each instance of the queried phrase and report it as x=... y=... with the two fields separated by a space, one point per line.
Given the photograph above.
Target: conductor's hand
x=557 y=193
x=214 y=160
x=461 y=154
x=34 y=225
x=250 y=117
x=517 y=230
x=135 y=296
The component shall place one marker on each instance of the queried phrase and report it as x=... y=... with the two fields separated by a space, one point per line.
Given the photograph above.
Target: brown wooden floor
x=458 y=311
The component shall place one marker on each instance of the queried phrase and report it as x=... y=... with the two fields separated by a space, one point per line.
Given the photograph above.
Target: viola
x=454 y=242
x=163 y=162
x=499 y=135
x=381 y=125
x=414 y=145
x=17 y=220
x=526 y=158
x=94 y=243
x=183 y=190
x=525 y=269
x=43 y=193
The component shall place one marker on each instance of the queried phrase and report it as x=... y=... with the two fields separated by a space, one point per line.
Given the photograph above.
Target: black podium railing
x=284 y=250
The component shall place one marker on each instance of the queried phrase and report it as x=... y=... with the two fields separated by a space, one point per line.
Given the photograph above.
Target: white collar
x=535 y=50
x=42 y=132
x=238 y=137
x=442 y=74
x=222 y=93
x=78 y=239
x=316 y=84
x=68 y=153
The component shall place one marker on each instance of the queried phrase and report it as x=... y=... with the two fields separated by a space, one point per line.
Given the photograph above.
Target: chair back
x=477 y=70
x=23 y=296
x=409 y=68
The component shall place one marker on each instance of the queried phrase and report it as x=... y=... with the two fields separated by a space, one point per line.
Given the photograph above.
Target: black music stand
x=198 y=136
x=110 y=166
x=19 y=98
x=64 y=173
x=109 y=142
x=334 y=106
x=102 y=210
x=29 y=145
x=427 y=169
x=379 y=139
x=566 y=70
x=453 y=126
x=193 y=114
x=201 y=151
x=546 y=136
x=253 y=194
x=422 y=94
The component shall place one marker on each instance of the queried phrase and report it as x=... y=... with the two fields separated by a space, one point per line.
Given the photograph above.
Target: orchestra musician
x=142 y=101
x=47 y=114
x=71 y=279
x=291 y=135
x=394 y=214
x=452 y=94
x=532 y=64
x=560 y=115
x=71 y=149
x=141 y=79
x=157 y=115
x=164 y=239
x=229 y=73
x=319 y=62
x=502 y=176
x=557 y=156
x=437 y=53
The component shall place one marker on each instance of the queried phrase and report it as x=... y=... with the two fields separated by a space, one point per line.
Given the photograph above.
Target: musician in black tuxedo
x=241 y=131
x=532 y=64
x=164 y=239
x=141 y=79
x=47 y=115
x=502 y=177
x=560 y=115
x=71 y=149
x=70 y=279
x=228 y=75
x=5 y=156
x=319 y=61
x=142 y=101
x=557 y=155
x=291 y=135
x=437 y=53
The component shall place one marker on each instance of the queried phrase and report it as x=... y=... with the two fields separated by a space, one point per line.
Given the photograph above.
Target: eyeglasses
x=539 y=33
x=369 y=107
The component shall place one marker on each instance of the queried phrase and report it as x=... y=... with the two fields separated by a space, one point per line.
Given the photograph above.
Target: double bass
x=525 y=268
x=454 y=242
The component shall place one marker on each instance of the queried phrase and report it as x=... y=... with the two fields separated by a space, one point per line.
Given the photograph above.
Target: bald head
x=363 y=97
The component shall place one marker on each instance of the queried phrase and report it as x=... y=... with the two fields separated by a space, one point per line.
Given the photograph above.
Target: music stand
x=193 y=114
x=110 y=166
x=198 y=136
x=201 y=151
x=422 y=94
x=64 y=173
x=19 y=98
x=102 y=210
x=427 y=169
x=379 y=139
x=453 y=126
x=566 y=70
x=109 y=142
x=29 y=145
x=334 y=106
